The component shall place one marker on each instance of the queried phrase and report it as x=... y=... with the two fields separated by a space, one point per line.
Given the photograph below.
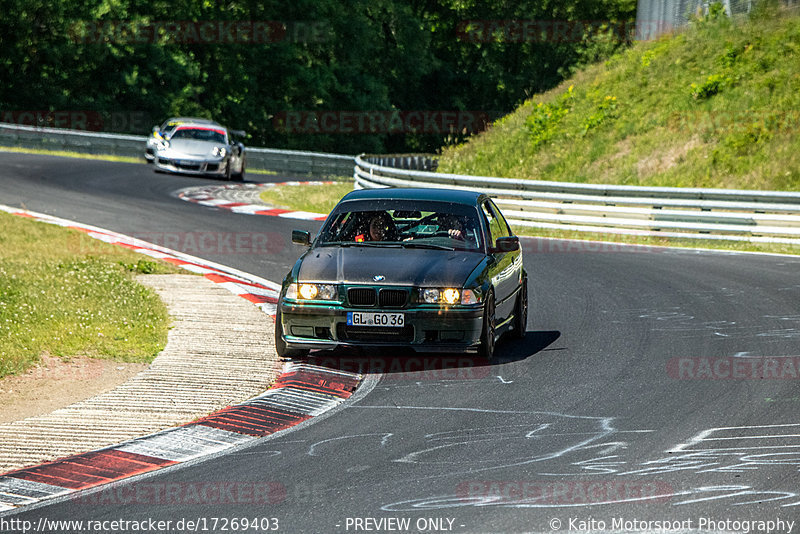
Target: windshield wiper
x=369 y=244
x=411 y=244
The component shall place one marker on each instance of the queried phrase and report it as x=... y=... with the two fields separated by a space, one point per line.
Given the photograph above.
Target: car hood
x=191 y=147
x=360 y=264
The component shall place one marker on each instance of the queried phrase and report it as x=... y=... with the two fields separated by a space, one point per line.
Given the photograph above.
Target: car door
x=506 y=266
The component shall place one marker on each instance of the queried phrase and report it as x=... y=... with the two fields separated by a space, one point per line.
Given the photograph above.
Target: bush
x=543 y=122
x=606 y=110
x=713 y=85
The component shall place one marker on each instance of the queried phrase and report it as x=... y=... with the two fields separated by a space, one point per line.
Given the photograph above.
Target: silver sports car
x=167 y=127
x=200 y=148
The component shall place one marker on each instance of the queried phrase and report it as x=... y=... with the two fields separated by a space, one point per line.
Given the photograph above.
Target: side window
x=497 y=225
x=503 y=223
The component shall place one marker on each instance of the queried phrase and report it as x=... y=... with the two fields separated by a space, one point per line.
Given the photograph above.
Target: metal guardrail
x=286 y=162
x=300 y=163
x=718 y=214
x=721 y=214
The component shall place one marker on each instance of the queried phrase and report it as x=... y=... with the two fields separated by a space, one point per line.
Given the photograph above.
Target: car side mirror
x=156 y=129
x=507 y=243
x=301 y=237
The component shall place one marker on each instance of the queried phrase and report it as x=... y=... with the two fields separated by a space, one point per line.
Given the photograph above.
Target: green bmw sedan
x=427 y=269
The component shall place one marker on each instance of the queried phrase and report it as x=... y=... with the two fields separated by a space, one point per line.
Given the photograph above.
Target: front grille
x=361 y=296
x=188 y=166
x=369 y=333
x=179 y=164
x=392 y=298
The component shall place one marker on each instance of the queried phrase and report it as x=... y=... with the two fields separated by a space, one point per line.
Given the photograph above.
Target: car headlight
x=219 y=151
x=311 y=292
x=162 y=145
x=448 y=295
x=429 y=296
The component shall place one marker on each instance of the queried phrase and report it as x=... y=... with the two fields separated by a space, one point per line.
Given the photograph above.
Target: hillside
x=715 y=105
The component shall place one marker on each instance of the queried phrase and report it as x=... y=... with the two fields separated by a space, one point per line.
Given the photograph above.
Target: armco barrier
x=299 y=163
x=284 y=162
x=719 y=214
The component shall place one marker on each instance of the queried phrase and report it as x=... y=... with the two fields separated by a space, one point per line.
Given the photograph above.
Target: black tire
x=486 y=348
x=280 y=344
x=239 y=176
x=521 y=310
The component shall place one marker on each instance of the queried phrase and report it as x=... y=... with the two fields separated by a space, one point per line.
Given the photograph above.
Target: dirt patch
x=606 y=169
x=665 y=159
x=623 y=148
x=55 y=383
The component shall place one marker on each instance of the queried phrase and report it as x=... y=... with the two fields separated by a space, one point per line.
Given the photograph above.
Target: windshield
x=201 y=134
x=446 y=226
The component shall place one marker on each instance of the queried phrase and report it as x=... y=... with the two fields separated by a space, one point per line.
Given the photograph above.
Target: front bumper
x=190 y=166
x=319 y=326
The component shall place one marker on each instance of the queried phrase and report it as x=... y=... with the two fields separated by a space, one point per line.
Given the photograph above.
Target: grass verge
x=715 y=105
x=99 y=157
x=312 y=198
x=71 y=154
x=56 y=298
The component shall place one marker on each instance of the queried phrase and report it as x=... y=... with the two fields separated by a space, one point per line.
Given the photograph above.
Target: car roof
x=185 y=120
x=201 y=125
x=471 y=198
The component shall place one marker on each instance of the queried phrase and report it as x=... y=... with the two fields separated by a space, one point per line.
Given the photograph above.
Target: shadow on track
x=514 y=350
x=390 y=360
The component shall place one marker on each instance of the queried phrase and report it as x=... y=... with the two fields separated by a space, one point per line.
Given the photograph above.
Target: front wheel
x=486 y=348
x=280 y=344
x=239 y=176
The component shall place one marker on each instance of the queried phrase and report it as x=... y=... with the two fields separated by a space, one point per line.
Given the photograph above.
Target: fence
x=285 y=162
x=718 y=214
x=654 y=17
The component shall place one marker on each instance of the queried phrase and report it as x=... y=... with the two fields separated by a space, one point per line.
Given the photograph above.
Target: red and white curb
x=261 y=292
x=243 y=198
x=301 y=392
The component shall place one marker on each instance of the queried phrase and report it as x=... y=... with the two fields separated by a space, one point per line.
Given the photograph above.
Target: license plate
x=395 y=320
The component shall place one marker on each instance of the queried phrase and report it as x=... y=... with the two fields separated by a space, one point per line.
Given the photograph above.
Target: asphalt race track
x=652 y=385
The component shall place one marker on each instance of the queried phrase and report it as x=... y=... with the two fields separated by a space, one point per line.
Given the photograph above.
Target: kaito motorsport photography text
x=701 y=524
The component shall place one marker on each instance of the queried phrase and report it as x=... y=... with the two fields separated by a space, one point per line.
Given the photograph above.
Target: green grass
x=71 y=154
x=99 y=157
x=716 y=105
x=313 y=198
x=65 y=294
